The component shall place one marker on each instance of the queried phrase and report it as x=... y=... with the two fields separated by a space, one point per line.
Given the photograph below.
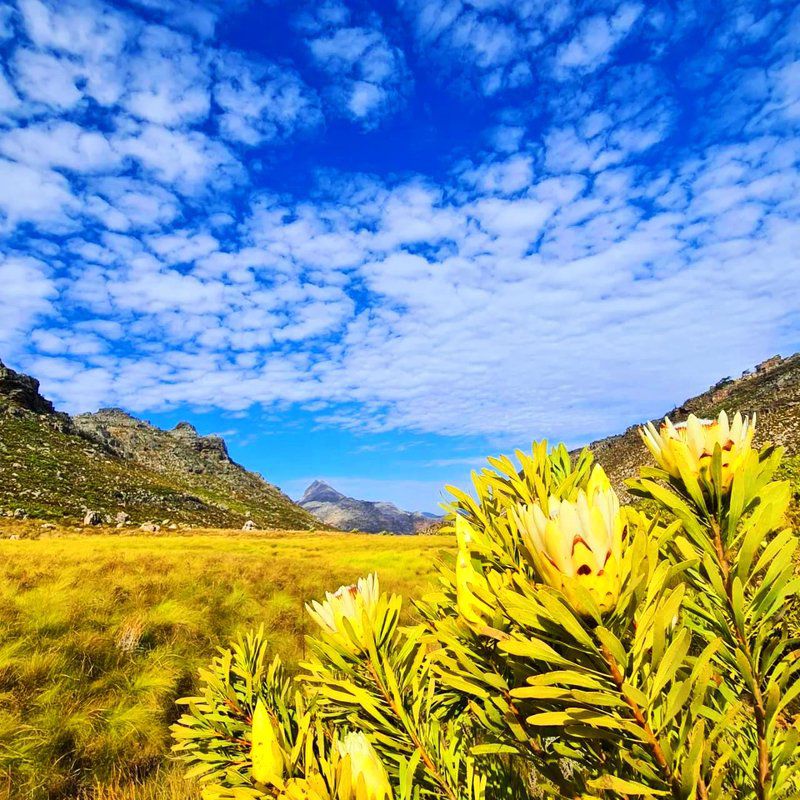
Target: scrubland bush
x=575 y=648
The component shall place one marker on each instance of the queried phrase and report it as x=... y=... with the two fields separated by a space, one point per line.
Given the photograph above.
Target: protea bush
x=576 y=648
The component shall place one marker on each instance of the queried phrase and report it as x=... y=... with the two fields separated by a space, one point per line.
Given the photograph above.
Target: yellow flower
x=357 y=604
x=266 y=753
x=468 y=579
x=361 y=773
x=578 y=544
x=691 y=445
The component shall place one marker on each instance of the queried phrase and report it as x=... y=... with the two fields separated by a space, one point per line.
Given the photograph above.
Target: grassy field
x=99 y=634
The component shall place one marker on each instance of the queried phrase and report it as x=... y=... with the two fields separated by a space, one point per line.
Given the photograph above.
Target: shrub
x=575 y=648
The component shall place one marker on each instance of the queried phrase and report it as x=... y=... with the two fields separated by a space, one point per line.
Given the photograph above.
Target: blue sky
x=374 y=242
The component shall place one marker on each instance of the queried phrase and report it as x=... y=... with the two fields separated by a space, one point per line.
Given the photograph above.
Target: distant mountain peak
x=321 y=492
x=372 y=516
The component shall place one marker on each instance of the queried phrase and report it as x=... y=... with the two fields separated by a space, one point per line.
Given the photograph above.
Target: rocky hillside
x=347 y=513
x=56 y=467
x=771 y=390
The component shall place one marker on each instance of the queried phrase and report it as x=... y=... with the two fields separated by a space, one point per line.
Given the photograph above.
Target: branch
x=763 y=766
x=672 y=780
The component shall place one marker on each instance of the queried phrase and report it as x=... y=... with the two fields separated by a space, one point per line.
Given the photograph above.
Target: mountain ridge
x=109 y=462
x=771 y=391
x=54 y=466
x=370 y=516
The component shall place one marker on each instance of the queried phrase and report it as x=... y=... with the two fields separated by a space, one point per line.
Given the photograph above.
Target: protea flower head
x=691 y=444
x=361 y=773
x=266 y=753
x=357 y=604
x=578 y=544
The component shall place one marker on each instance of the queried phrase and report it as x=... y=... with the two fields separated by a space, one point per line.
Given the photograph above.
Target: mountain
x=53 y=466
x=771 y=391
x=347 y=513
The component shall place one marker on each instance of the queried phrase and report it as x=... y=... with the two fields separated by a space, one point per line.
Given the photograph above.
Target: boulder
x=92 y=518
x=249 y=526
x=122 y=517
x=150 y=527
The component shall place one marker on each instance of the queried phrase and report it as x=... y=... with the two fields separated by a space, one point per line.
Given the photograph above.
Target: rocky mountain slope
x=347 y=513
x=771 y=390
x=56 y=467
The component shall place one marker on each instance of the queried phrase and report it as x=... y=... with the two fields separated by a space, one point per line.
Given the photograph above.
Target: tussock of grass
x=100 y=634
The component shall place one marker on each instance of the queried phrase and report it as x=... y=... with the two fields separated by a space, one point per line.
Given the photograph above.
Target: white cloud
x=261 y=101
x=89 y=38
x=168 y=81
x=507 y=138
x=28 y=293
x=180 y=247
x=504 y=177
x=31 y=195
x=8 y=97
x=368 y=73
x=787 y=81
x=47 y=79
x=498 y=45
x=499 y=298
x=365 y=98
x=87 y=29
x=596 y=38
x=137 y=203
x=189 y=160
x=59 y=144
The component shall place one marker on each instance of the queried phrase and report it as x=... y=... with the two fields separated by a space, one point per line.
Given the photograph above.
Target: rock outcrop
x=347 y=513
x=22 y=392
x=180 y=450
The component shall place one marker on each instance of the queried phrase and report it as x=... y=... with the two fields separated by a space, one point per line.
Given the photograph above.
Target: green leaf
x=563 y=616
x=614 y=784
x=534 y=649
x=737 y=602
x=566 y=677
x=690 y=773
x=672 y=661
x=613 y=645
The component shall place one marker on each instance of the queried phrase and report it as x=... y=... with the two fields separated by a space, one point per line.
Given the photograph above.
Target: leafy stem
x=763 y=766
x=660 y=758
x=427 y=760
x=536 y=748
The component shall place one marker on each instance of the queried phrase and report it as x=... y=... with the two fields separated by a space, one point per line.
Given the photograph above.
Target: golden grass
x=100 y=634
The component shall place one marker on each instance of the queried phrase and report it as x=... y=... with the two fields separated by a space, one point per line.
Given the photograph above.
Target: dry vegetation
x=101 y=633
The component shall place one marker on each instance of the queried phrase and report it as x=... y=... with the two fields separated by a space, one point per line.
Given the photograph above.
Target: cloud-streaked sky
x=373 y=241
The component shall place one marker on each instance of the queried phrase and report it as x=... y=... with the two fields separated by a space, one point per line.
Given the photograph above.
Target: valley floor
x=101 y=632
